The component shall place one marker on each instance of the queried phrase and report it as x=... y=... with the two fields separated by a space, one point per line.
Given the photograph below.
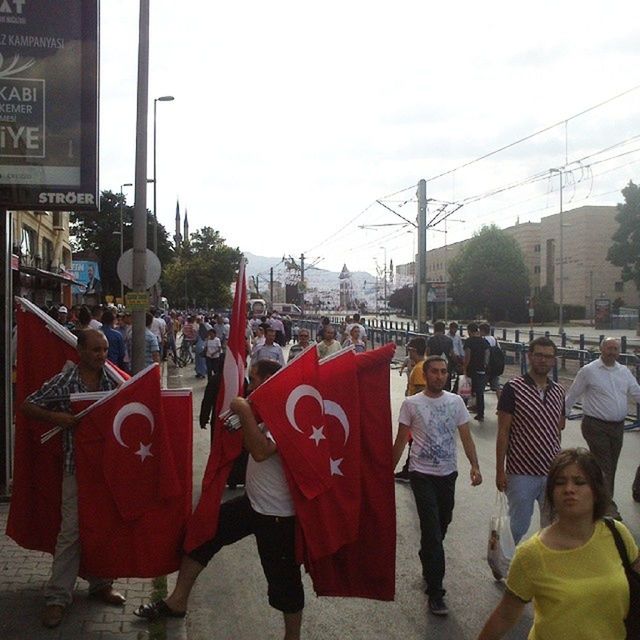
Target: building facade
x=586 y=273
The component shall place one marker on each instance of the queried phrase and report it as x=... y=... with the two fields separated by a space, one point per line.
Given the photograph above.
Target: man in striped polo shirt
x=530 y=419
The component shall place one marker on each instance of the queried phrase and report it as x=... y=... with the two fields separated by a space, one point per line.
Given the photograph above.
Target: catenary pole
x=422 y=254
x=140 y=207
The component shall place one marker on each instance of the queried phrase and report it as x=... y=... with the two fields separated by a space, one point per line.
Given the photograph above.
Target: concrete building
x=41 y=257
x=587 y=274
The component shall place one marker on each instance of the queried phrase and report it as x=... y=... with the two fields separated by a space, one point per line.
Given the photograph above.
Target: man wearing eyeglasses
x=530 y=419
x=304 y=336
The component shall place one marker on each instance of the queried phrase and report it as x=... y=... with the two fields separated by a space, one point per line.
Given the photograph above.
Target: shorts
x=275 y=537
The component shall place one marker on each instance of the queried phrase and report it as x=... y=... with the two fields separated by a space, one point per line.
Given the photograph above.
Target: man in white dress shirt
x=604 y=385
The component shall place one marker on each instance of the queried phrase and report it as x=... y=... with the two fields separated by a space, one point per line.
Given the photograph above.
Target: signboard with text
x=49 y=105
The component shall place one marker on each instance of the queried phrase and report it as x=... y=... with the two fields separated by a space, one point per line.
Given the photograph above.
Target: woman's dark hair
x=84 y=316
x=588 y=465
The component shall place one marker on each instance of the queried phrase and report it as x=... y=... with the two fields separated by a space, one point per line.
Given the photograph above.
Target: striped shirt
x=534 y=435
x=55 y=395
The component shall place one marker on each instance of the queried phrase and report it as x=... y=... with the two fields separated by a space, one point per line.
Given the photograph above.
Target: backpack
x=496 y=361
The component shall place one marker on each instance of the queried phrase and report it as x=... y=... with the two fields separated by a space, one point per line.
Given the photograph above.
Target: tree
x=489 y=277
x=625 y=250
x=98 y=233
x=203 y=272
x=402 y=299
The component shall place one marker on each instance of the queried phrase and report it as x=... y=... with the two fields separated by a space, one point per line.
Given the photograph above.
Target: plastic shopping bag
x=501 y=547
x=464 y=387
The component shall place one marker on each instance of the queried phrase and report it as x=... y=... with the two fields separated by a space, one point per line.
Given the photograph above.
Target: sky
x=291 y=119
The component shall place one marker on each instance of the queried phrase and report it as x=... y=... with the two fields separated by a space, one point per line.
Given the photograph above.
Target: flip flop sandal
x=156 y=610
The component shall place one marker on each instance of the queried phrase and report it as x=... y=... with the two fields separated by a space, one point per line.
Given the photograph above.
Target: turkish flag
x=131 y=501
x=291 y=406
x=366 y=567
x=226 y=446
x=330 y=520
x=34 y=514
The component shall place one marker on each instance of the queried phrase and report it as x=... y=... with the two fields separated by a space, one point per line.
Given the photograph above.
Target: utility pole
x=140 y=207
x=302 y=281
x=422 y=254
x=271 y=286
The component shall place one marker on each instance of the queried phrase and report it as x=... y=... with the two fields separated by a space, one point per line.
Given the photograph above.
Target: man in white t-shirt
x=431 y=419
x=266 y=511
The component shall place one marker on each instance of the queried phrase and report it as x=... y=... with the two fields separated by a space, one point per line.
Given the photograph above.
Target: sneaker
x=479 y=418
x=402 y=476
x=438 y=607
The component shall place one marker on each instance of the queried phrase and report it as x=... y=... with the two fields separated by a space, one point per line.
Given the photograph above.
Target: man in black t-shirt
x=440 y=344
x=476 y=359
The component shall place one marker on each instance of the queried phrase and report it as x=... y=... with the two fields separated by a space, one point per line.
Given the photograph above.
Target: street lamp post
x=155 y=180
x=561 y=310
x=122 y=186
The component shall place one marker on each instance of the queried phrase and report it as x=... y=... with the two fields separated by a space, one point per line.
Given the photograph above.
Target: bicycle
x=185 y=354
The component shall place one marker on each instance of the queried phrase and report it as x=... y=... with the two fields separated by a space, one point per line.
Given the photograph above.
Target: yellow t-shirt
x=577 y=593
x=417 y=380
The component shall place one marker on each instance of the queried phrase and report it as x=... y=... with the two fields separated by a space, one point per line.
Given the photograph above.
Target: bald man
x=604 y=386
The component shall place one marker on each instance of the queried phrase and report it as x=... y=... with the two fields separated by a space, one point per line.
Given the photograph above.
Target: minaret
x=186 y=227
x=177 y=239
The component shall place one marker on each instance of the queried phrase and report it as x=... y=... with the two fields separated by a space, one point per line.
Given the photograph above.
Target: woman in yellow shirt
x=571 y=570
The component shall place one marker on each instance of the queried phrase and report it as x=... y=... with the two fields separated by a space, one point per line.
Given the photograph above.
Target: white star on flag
x=144 y=451
x=317 y=435
x=335 y=466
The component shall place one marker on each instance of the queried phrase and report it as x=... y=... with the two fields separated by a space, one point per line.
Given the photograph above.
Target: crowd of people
x=570 y=569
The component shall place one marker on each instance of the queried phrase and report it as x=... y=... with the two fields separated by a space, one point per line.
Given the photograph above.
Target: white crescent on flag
x=332 y=408
x=133 y=408
x=297 y=394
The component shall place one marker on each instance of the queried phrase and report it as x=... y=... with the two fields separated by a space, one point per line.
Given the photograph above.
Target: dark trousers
x=605 y=443
x=435 y=499
x=478 y=383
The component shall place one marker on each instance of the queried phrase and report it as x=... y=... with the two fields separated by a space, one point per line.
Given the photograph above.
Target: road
x=229 y=600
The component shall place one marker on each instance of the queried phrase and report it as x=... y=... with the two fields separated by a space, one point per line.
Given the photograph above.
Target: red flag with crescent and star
x=44 y=346
x=330 y=520
x=226 y=446
x=366 y=567
x=291 y=406
x=131 y=501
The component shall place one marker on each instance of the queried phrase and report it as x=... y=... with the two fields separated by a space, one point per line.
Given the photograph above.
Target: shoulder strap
x=618 y=540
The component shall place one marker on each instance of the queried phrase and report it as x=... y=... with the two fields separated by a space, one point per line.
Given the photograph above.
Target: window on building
x=619 y=287
x=536 y=248
x=536 y=269
x=28 y=245
x=47 y=254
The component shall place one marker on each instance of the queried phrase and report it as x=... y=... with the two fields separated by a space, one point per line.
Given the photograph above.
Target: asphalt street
x=229 y=600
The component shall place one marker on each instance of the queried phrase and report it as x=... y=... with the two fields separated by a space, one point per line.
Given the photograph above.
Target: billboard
x=87 y=274
x=49 y=104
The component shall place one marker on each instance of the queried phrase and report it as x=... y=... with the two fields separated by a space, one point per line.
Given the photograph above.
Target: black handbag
x=632 y=621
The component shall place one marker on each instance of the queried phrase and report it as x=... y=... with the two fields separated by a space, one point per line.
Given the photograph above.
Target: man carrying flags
x=51 y=404
x=266 y=511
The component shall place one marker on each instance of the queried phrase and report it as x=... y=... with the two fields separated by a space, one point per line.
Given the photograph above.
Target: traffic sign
x=125 y=269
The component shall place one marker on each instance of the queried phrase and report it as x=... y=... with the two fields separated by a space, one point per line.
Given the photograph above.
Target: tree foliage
x=203 y=271
x=489 y=277
x=99 y=233
x=402 y=299
x=625 y=250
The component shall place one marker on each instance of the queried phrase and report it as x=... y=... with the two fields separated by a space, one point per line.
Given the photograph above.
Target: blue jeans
x=522 y=492
x=435 y=498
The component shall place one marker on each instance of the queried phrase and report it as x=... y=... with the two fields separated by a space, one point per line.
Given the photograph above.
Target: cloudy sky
x=291 y=119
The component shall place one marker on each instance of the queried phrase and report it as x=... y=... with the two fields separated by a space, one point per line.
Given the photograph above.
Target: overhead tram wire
x=533 y=135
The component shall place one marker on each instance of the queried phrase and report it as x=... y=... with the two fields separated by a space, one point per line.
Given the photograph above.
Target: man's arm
x=404 y=433
x=59 y=418
x=255 y=442
x=470 y=452
x=467 y=357
x=634 y=388
x=575 y=391
x=502 y=440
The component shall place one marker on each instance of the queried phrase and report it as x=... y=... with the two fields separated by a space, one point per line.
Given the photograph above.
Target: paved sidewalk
x=24 y=573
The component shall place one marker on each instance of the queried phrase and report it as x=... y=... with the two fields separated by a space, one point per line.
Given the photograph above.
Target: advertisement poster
x=48 y=104
x=87 y=274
